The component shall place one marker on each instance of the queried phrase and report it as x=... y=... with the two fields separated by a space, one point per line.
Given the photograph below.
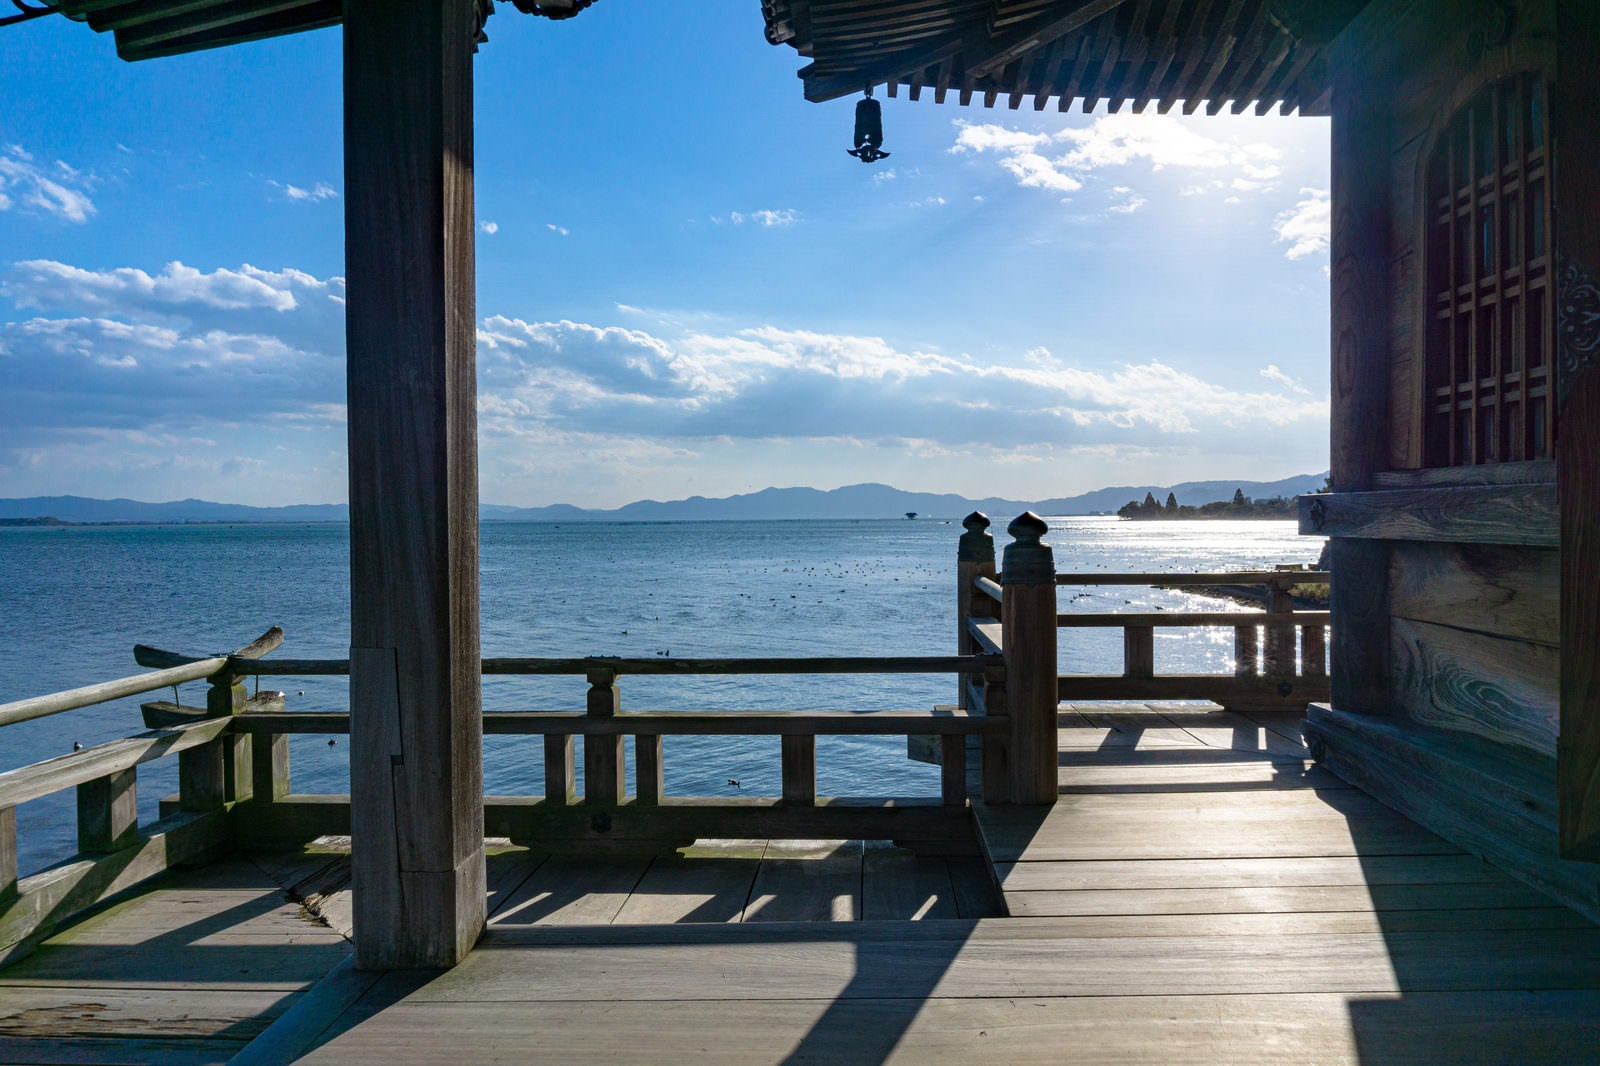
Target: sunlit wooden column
x=416 y=770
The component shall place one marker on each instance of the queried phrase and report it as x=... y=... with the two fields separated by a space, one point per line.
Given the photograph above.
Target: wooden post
x=603 y=780
x=108 y=812
x=800 y=769
x=560 y=770
x=648 y=772
x=270 y=768
x=996 y=762
x=953 y=769
x=1244 y=652
x=974 y=559
x=8 y=853
x=1361 y=164
x=1138 y=652
x=1279 y=657
x=208 y=776
x=1028 y=616
x=1575 y=144
x=416 y=743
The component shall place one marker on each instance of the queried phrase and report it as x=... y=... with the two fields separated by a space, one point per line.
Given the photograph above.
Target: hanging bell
x=869 y=131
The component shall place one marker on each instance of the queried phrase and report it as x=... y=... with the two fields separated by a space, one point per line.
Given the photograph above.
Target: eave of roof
x=1212 y=53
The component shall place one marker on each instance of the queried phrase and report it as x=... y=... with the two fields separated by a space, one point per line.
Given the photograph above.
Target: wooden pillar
x=108 y=812
x=416 y=741
x=208 y=776
x=1575 y=147
x=1028 y=616
x=603 y=779
x=1361 y=163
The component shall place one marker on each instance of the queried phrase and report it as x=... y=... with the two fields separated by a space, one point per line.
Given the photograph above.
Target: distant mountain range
x=851 y=501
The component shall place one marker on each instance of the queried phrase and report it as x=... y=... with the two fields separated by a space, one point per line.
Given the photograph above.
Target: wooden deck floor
x=1200 y=894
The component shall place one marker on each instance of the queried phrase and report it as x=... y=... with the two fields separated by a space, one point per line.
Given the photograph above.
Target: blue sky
x=684 y=284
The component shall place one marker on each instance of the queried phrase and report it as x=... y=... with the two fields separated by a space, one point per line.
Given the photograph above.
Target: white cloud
x=1062 y=161
x=1130 y=202
x=1272 y=373
x=559 y=230
x=1307 y=226
x=928 y=201
x=320 y=191
x=46 y=284
x=882 y=176
x=491 y=228
x=57 y=190
x=767 y=218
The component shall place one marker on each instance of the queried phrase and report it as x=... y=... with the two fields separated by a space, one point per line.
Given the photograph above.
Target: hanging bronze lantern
x=869 y=131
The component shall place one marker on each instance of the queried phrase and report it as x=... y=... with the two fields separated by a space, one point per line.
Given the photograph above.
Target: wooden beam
x=1522 y=515
x=416 y=762
x=1575 y=139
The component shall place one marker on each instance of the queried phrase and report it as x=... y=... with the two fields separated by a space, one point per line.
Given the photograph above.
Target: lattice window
x=1489 y=287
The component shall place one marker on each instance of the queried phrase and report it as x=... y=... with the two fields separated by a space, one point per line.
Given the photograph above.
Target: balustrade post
x=560 y=770
x=648 y=773
x=1028 y=616
x=800 y=769
x=1314 y=650
x=8 y=853
x=269 y=768
x=1280 y=638
x=214 y=774
x=1245 y=646
x=603 y=780
x=953 y=769
x=974 y=559
x=108 y=812
x=1138 y=652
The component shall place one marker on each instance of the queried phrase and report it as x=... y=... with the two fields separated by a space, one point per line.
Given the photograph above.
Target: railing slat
x=560 y=770
x=799 y=769
x=108 y=812
x=8 y=853
x=953 y=770
x=855 y=664
x=988 y=634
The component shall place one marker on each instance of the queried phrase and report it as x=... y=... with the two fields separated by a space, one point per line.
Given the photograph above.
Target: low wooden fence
x=1012 y=613
x=235 y=788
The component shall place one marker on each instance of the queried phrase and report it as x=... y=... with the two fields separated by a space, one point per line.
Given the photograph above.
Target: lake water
x=74 y=601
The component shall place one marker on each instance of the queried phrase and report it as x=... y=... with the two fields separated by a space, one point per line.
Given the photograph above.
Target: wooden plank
x=48 y=899
x=988 y=635
x=649 y=772
x=1226 y=777
x=1532 y=472
x=1462 y=899
x=1309 y=871
x=1028 y=615
x=294 y=1032
x=953 y=771
x=1276 y=923
x=845 y=664
x=899 y=886
x=1519 y=515
x=573 y=890
x=1574 y=116
x=410 y=328
x=104 y=691
x=1505 y=592
x=977 y=895
x=1504 y=690
x=8 y=854
x=807 y=890
x=560 y=770
x=1138 y=652
x=680 y=889
x=1546 y=1027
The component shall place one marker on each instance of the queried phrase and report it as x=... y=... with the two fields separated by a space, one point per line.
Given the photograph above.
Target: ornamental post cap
x=1027 y=527
x=976 y=522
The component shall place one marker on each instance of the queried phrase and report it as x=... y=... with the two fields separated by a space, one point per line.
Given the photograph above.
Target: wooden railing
x=1009 y=612
x=235 y=788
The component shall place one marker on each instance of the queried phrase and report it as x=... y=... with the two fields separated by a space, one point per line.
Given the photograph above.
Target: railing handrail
x=89 y=695
x=1240 y=577
x=500 y=667
x=41 y=779
x=1160 y=619
x=666 y=723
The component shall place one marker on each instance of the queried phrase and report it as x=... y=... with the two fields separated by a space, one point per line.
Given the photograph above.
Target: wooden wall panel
x=1502 y=690
x=1504 y=592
